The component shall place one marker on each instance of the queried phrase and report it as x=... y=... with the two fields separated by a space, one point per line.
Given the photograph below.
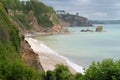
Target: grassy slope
x=11 y=66
x=41 y=12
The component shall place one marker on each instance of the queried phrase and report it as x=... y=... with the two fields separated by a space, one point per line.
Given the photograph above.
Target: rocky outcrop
x=28 y=55
x=87 y=30
x=33 y=21
x=31 y=25
x=68 y=20
x=64 y=23
x=30 y=18
x=99 y=29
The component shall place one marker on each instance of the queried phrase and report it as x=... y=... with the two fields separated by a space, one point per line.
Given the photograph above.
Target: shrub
x=106 y=70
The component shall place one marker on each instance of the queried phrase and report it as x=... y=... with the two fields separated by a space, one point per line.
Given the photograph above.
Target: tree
x=50 y=75
x=62 y=73
x=106 y=70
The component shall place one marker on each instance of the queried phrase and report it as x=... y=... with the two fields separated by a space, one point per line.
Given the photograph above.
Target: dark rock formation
x=69 y=20
x=98 y=29
x=87 y=30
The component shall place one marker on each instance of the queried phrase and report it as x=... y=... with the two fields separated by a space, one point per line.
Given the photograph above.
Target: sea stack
x=100 y=29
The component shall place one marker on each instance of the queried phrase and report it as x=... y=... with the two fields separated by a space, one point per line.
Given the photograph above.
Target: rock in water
x=87 y=30
x=99 y=29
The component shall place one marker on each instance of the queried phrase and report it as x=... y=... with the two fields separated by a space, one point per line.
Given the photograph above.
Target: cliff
x=18 y=61
x=29 y=56
x=18 y=18
x=67 y=20
x=32 y=16
x=11 y=64
x=29 y=17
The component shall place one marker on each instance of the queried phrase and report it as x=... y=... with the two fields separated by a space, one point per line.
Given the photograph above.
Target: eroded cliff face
x=32 y=22
x=32 y=17
x=28 y=55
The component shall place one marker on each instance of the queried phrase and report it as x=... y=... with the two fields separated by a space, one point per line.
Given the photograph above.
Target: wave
x=40 y=47
x=73 y=65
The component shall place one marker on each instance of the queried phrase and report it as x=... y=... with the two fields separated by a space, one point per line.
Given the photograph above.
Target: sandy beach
x=48 y=58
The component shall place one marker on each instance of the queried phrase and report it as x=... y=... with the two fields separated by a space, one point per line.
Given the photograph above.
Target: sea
x=82 y=48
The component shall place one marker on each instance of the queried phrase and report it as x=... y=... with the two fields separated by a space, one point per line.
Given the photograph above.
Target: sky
x=92 y=9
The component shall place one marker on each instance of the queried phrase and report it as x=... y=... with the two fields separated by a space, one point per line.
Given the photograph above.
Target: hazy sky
x=92 y=9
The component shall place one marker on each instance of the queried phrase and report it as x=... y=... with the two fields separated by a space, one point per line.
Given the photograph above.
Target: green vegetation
x=99 y=28
x=41 y=11
x=12 y=4
x=60 y=73
x=105 y=70
x=23 y=22
x=12 y=67
x=20 y=10
x=8 y=33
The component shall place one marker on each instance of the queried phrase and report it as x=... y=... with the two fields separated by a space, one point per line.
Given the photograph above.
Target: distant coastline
x=105 y=21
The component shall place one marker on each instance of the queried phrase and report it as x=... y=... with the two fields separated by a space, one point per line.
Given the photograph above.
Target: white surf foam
x=40 y=47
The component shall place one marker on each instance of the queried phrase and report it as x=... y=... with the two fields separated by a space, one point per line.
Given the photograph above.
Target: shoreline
x=49 y=58
x=44 y=33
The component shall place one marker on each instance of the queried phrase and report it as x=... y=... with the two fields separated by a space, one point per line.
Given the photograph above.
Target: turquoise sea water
x=84 y=47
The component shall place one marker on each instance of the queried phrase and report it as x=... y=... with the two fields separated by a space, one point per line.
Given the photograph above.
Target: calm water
x=85 y=47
